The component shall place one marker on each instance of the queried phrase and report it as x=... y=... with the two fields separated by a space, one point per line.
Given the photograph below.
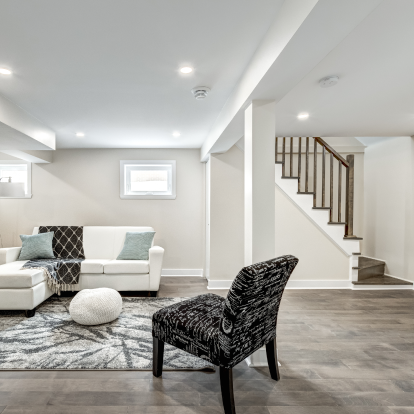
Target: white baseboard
x=382 y=287
x=319 y=284
x=292 y=284
x=219 y=284
x=182 y=272
x=316 y=284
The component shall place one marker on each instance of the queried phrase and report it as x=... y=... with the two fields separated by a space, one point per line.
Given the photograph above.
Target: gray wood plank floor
x=342 y=351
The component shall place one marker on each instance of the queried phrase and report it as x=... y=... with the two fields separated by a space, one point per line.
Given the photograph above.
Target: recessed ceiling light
x=80 y=134
x=186 y=69
x=303 y=116
x=176 y=134
x=5 y=71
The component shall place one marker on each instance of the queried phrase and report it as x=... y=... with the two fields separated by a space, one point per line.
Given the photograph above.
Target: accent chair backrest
x=251 y=308
x=105 y=242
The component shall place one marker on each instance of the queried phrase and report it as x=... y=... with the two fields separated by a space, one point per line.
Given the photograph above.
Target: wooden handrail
x=332 y=151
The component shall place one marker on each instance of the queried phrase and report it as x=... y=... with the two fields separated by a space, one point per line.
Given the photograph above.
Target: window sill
x=26 y=196
x=148 y=197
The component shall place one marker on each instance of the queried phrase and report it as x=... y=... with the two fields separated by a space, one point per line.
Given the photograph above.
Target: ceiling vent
x=329 y=81
x=200 y=92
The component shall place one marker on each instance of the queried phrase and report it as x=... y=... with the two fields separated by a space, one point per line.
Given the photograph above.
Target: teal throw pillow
x=136 y=245
x=38 y=246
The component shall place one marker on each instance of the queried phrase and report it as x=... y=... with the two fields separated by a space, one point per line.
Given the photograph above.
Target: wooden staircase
x=328 y=200
x=372 y=272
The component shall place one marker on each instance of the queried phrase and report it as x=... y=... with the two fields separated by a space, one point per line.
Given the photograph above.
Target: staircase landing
x=382 y=280
x=371 y=272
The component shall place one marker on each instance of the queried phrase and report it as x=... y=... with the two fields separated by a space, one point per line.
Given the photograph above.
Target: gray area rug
x=52 y=340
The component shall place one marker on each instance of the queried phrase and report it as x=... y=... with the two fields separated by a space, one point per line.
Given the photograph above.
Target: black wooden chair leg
x=226 y=382
x=30 y=313
x=157 y=356
x=271 y=353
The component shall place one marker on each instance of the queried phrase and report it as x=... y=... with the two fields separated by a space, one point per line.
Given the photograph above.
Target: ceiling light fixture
x=328 y=81
x=303 y=116
x=176 y=134
x=80 y=134
x=186 y=69
x=5 y=71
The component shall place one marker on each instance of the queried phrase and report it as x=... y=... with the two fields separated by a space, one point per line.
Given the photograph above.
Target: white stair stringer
x=319 y=217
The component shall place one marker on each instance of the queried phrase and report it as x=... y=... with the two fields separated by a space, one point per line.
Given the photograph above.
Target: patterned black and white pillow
x=67 y=241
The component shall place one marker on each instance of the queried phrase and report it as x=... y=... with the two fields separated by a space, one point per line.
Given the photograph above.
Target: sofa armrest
x=156 y=255
x=9 y=254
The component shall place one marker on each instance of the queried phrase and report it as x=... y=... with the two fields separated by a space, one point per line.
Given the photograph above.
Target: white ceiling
x=375 y=94
x=110 y=68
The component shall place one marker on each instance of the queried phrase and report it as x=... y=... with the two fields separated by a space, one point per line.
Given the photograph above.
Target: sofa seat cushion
x=11 y=277
x=126 y=266
x=93 y=265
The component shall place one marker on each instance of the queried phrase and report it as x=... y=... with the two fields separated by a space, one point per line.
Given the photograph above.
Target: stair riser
x=371 y=271
x=369 y=262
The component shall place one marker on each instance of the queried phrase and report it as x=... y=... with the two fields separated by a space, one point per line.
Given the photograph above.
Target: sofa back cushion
x=105 y=242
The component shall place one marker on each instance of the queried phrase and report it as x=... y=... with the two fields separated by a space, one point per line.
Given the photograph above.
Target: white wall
x=226 y=214
x=319 y=258
x=81 y=187
x=389 y=222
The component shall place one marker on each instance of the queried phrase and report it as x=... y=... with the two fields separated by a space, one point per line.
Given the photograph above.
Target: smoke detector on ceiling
x=200 y=92
x=329 y=81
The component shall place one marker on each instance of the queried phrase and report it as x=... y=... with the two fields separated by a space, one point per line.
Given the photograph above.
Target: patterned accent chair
x=225 y=331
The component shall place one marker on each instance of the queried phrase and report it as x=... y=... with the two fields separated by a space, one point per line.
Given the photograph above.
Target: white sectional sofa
x=25 y=289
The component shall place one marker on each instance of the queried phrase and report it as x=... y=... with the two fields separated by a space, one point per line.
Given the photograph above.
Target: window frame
x=29 y=176
x=137 y=163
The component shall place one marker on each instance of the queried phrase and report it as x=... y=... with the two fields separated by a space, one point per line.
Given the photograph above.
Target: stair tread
x=353 y=238
x=304 y=192
x=279 y=162
x=321 y=208
x=335 y=222
x=382 y=280
x=293 y=178
x=357 y=254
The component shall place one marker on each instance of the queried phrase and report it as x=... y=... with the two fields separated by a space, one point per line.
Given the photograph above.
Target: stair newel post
x=284 y=157
x=307 y=165
x=323 y=175
x=276 y=150
x=299 y=162
x=331 y=188
x=315 y=169
x=291 y=157
x=349 y=213
x=339 y=190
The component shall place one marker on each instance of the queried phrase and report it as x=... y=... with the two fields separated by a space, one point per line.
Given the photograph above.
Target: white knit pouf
x=95 y=306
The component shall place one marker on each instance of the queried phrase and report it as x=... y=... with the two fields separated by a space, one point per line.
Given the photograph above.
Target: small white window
x=15 y=179
x=148 y=179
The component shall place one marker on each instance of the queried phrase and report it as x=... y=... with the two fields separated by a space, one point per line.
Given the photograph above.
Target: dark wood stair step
x=382 y=280
x=321 y=208
x=290 y=178
x=304 y=192
x=335 y=222
x=353 y=238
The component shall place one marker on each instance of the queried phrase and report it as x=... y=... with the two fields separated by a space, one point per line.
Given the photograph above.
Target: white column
x=259 y=181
